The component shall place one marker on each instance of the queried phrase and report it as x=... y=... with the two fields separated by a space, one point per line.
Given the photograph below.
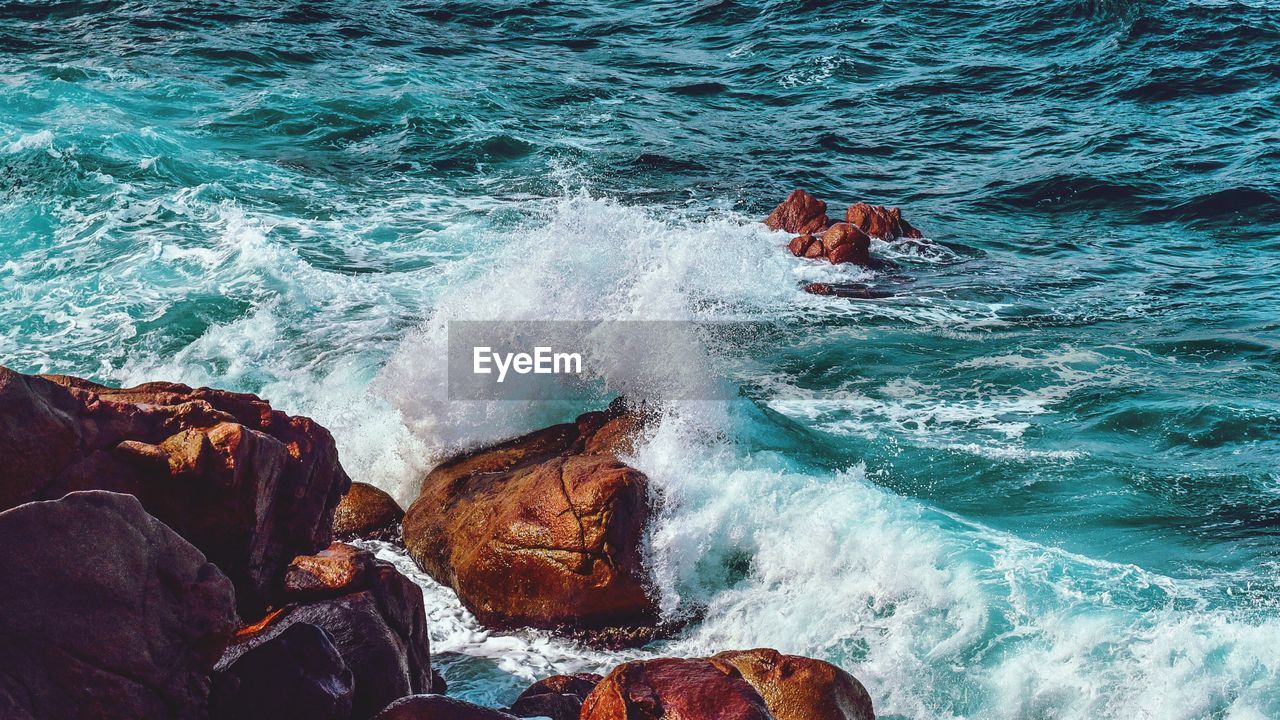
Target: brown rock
x=369 y=513
x=438 y=707
x=105 y=612
x=249 y=486
x=543 y=530
x=844 y=234
x=799 y=244
x=338 y=569
x=674 y=689
x=800 y=213
x=558 y=697
x=880 y=222
x=800 y=688
x=849 y=253
x=379 y=629
x=296 y=675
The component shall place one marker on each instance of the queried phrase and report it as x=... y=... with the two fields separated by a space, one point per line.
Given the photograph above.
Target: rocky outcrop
x=674 y=689
x=543 y=530
x=438 y=707
x=558 y=697
x=800 y=688
x=800 y=213
x=373 y=615
x=249 y=486
x=368 y=513
x=105 y=612
x=296 y=674
x=856 y=291
x=840 y=242
x=880 y=222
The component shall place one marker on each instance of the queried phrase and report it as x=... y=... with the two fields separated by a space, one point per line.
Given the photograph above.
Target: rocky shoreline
x=171 y=553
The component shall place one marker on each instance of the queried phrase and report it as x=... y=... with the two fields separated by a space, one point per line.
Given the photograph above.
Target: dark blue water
x=1040 y=480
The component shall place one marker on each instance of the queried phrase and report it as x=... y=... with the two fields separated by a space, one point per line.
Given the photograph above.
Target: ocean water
x=1042 y=480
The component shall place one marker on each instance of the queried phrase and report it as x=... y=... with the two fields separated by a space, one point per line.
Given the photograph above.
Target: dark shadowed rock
x=105 y=612
x=674 y=689
x=369 y=513
x=558 y=697
x=378 y=626
x=880 y=222
x=249 y=486
x=296 y=675
x=800 y=688
x=543 y=530
x=846 y=290
x=438 y=707
x=800 y=213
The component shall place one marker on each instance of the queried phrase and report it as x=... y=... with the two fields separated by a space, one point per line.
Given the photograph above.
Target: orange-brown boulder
x=249 y=486
x=674 y=689
x=880 y=222
x=800 y=213
x=800 y=244
x=845 y=243
x=367 y=512
x=543 y=530
x=800 y=688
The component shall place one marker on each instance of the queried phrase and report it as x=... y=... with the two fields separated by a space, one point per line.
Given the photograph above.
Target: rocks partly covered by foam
x=105 y=612
x=838 y=242
x=541 y=531
x=250 y=486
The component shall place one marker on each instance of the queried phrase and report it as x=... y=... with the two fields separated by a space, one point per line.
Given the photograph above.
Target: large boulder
x=105 y=612
x=674 y=689
x=369 y=513
x=296 y=675
x=799 y=213
x=800 y=688
x=558 y=697
x=438 y=707
x=249 y=486
x=373 y=615
x=543 y=530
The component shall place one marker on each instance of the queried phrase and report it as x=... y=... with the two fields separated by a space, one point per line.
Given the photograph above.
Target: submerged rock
x=675 y=689
x=846 y=290
x=800 y=688
x=543 y=530
x=800 y=213
x=105 y=612
x=249 y=486
x=369 y=513
x=374 y=616
x=296 y=675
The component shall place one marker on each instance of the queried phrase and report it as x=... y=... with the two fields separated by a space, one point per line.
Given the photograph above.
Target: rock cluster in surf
x=847 y=241
x=169 y=554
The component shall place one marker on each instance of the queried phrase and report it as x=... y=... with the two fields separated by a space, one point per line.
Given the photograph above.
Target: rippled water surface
x=1042 y=480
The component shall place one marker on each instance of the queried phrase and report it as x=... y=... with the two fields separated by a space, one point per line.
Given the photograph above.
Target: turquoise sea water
x=1042 y=480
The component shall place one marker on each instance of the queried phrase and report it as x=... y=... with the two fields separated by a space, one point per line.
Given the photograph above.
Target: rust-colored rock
x=558 y=697
x=880 y=222
x=845 y=243
x=800 y=213
x=800 y=244
x=369 y=513
x=379 y=628
x=800 y=688
x=674 y=689
x=855 y=291
x=249 y=486
x=338 y=569
x=105 y=613
x=543 y=530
